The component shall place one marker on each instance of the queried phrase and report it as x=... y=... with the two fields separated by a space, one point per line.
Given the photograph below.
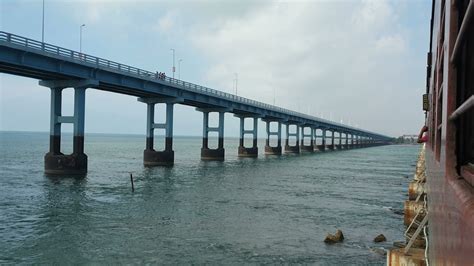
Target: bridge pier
x=208 y=154
x=310 y=147
x=243 y=151
x=322 y=146
x=151 y=157
x=332 y=146
x=55 y=162
x=339 y=140
x=269 y=150
x=347 y=141
x=296 y=148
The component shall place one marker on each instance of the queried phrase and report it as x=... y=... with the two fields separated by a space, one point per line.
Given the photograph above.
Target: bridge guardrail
x=100 y=62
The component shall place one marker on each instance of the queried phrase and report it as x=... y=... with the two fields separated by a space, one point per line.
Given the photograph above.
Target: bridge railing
x=107 y=64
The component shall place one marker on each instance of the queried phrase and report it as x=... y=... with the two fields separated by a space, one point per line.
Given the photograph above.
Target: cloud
x=326 y=57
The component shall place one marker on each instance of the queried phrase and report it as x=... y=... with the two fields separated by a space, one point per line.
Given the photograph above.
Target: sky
x=362 y=63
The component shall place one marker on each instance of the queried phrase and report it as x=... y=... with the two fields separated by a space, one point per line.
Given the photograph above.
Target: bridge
x=59 y=68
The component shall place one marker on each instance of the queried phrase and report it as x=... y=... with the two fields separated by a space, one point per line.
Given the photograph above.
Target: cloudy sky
x=362 y=62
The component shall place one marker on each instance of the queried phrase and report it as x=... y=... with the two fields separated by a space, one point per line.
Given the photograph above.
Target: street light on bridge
x=174 y=68
x=80 y=37
x=179 y=68
x=42 y=27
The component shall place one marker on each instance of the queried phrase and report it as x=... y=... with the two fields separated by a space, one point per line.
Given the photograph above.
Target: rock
x=379 y=251
x=380 y=238
x=336 y=238
x=339 y=236
x=399 y=212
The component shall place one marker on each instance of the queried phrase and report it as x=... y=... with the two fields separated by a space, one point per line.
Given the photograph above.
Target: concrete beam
x=73 y=83
x=161 y=100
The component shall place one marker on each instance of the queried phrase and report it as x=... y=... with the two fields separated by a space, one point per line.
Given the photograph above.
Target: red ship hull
x=450 y=146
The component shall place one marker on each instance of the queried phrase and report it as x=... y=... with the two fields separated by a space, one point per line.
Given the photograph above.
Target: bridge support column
x=165 y=157
x=339 y=146
x=322 y=146
x=332 y=146
x=310 y=147
x=269 y=150
x=323 y=141
x=296 y=148
x=208 y=154
x=55 y=162
x=243 y=151
x=347 y=141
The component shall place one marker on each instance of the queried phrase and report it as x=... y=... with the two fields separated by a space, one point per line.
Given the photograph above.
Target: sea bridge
x=59 y=68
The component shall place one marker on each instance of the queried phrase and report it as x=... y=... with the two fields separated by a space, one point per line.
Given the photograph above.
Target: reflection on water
x=266 y=210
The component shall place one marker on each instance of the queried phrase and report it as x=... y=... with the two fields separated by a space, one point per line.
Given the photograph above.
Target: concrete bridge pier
x=296 y=147
x=269 y=150
x=339 y=145
x=310 y=147
x=55 y=162
x=151 y=157
x=208 y=154
x=243 y=151
x=346 y=146
x=322 y=146
x=332 y=145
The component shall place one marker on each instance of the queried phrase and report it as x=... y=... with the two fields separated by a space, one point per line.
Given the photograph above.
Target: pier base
x=272 y=150
x=60 y=164
x=248 y=152
x=212 y=154
x=292 y=149
x=158 y=158
x=307 y=148
x=415 y=256
x=321 y=147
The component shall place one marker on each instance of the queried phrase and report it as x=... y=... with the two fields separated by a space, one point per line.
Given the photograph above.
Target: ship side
x=450 y=146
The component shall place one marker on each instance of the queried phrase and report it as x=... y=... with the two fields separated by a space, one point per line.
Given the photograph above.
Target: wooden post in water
x=131 y=181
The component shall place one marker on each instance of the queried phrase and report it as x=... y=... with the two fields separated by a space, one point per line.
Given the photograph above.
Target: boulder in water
x=336 y=238
x=380 y=238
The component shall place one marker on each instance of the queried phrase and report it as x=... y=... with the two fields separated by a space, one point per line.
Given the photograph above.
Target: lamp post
x=173 y=69
x=236 y=82
x=42 y=27
x=179 y=68
x=80 y=37
x=274 y=96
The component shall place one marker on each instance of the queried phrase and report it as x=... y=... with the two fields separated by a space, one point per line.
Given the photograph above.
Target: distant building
x=406 y=139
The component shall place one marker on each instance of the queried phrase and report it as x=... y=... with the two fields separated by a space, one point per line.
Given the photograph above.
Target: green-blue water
x=265 y=210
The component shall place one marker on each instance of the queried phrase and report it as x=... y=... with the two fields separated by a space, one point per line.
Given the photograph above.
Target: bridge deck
x=30 y=58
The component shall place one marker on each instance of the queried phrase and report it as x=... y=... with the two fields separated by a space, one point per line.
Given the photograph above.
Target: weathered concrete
x=411 y=208
x=158 y=158
x=415 y=257
x=292 y=149
x=306 y=148
x=212 y=154
x=248 y=152
x=272 y=150
x=60 y=164
x=414 y=189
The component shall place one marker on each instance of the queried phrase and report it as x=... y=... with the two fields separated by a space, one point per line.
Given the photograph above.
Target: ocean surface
x=270 y=210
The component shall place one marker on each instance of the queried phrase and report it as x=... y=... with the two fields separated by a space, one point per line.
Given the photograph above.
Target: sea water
x=272 y=209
